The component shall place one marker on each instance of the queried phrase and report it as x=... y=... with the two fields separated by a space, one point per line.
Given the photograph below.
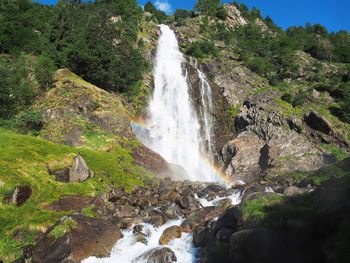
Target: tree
x=208 y=7
x=44 y=71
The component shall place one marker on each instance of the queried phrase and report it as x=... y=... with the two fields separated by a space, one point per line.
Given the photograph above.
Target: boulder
x=292 y=190
x=266 y=245
x=82 y=238
x=200 y=217
x=74 y=202
x=79 y=172
x=169 y=234
x=318 y=122
x=157 y=255
x=19 y=196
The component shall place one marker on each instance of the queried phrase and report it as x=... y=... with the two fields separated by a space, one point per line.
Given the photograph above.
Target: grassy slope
x=23 y=161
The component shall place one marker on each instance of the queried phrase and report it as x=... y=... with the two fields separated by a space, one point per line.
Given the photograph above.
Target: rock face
x=90 y=237
x=234 y=17
x=158 y=255
x=74 y=202
x=266 y=142
x=318 y=122
x=79 y=172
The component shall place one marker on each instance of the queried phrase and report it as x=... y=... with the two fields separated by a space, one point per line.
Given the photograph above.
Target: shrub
x=221 y=12
x=287 y=97
x=299 y=99
x=44 y=71
x=202 y=49
x=29 y=120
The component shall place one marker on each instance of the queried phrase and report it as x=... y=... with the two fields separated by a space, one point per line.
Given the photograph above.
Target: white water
x=176 y=132
x=128 y=249
x=173 y=127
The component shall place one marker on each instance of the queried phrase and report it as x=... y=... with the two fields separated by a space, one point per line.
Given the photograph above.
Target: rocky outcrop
x=75 y=104
x=234 y=17
x=79 y=172
x=75 y=202
x=75 y=238
x=268 y=141
x=157 y=255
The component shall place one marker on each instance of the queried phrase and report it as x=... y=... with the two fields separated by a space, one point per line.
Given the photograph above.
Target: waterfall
x=174 y=129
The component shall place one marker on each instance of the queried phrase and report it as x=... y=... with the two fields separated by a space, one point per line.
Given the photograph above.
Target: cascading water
x=173 y=127
x=182 y=136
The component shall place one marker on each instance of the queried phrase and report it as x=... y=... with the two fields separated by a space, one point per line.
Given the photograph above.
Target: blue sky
x=334 y=15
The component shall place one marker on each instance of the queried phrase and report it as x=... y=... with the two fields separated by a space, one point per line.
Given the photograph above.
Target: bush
x=181 y=14
x=44 y=71
x=287 y=97
x=221 y=12
x=29 y=120
x=299 y=99
x=202 y=49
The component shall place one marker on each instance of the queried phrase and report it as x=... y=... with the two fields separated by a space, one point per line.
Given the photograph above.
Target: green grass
x=337 y=152
x=63 y=228
x=88 y=211
x=23 y=161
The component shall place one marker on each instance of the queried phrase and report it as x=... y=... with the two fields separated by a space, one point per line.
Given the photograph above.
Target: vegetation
x=23 y=162
x=202 y=49
x=159 y=16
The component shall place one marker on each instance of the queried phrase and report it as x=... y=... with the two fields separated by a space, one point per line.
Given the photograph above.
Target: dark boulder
x=19 y=196
x=80 y=237
x=318 y=122
x=169 y=234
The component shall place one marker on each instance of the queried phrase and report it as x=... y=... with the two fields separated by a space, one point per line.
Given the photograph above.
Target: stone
x=74 y=202
x=318 y=122
x=137 y=229
x=200 y=217
x=292 y=190
x=157 y=255
x=19 y=196
x=169 y=234
x=90 y=237
x=200 y=236
x=79 y=172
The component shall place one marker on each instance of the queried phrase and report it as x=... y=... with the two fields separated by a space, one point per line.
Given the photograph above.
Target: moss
x=336 y=151
x=63 y=228
x=24 y=160
x=88 y=211
x=254 y=211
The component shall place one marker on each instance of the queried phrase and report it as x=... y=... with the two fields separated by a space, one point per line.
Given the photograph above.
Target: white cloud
x=163 y=6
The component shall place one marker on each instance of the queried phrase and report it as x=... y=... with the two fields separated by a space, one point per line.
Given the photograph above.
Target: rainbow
x=219 y=174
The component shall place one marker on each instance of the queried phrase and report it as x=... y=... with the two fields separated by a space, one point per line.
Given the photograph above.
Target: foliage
x=63 y=228
x=44 y=72
x=299 y=99
x=23 y=160
x=29 y=120
x=16 y=89
x=181 y=14
x=221 y=12
x=208 y=7
x=160 y=16
x=287 y=97
x=337 y=152
x=202 y=49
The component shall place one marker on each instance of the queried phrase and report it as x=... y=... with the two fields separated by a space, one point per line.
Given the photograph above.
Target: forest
x=99 y=42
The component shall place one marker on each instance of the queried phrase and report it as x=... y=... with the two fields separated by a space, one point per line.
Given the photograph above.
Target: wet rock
x=156 y=221
x=126 y=211
x=169 y=234
x=200 y=217
x=137 y=229
x=157 y=255
x=19 y=196
x=142 y=238
x=200 y=236
x=292 y=190
x=85 y=237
